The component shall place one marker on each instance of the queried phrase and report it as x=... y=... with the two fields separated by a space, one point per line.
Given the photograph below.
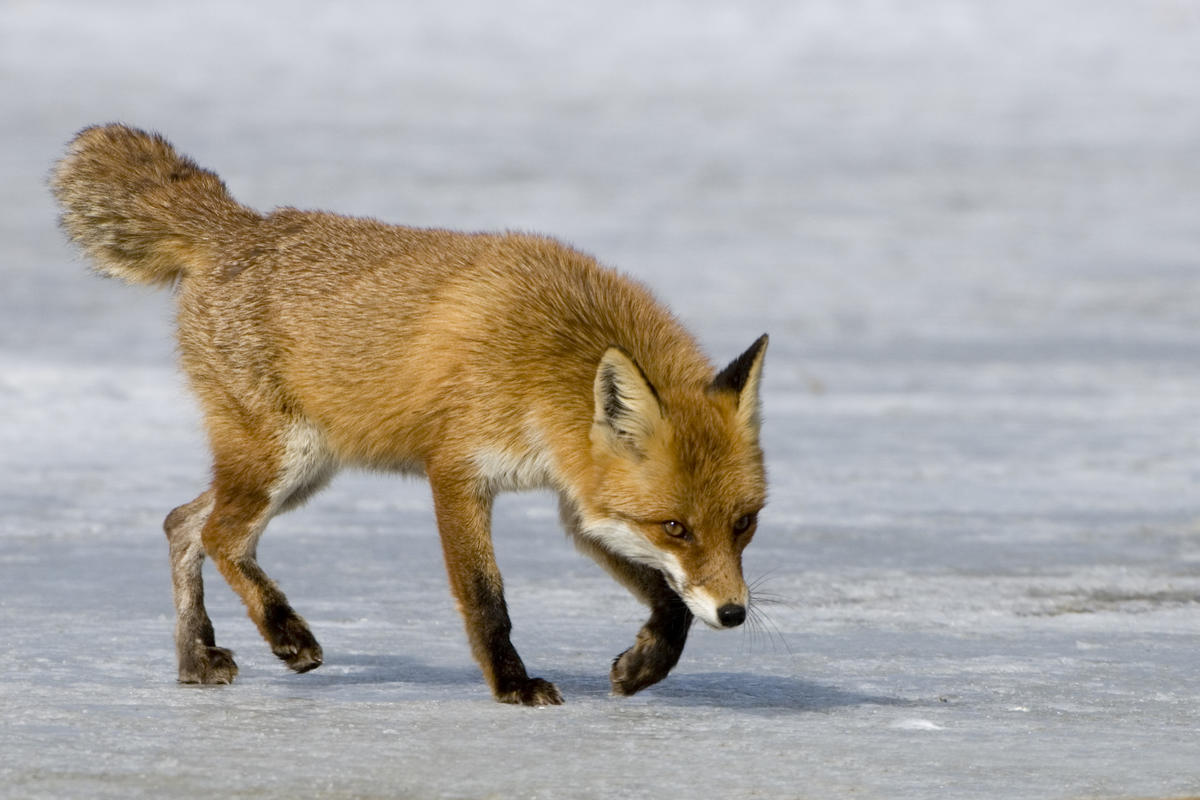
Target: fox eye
x=676 y=530
x=743 y=523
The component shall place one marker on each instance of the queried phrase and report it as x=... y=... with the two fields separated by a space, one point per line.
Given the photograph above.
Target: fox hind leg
x=200 y=660
x=251 y=484
x=230 y=538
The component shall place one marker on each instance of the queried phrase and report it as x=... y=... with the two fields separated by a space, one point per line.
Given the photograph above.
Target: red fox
x=486 y=362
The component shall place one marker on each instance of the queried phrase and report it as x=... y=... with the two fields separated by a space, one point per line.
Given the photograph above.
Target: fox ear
x=627 y=407
x=741 y=378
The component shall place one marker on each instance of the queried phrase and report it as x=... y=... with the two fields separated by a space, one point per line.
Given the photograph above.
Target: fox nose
x=731 y=615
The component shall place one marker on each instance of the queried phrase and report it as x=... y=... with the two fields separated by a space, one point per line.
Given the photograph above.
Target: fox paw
x=639 y=667
x=295 y=645
x=207 y=664
x=534 y=692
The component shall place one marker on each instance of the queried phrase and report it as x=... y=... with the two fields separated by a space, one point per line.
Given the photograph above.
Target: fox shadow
x=744 y=691
x=747 y=691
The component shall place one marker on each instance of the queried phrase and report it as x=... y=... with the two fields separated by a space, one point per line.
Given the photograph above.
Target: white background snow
x=973 y=231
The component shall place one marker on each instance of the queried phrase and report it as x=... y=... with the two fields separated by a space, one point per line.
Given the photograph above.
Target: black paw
x=639 y=667
x=294 y=644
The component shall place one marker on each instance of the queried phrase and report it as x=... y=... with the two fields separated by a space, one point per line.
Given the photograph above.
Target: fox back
x=487 y=362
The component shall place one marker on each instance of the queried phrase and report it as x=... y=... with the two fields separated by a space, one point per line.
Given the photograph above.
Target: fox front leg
x=657 y=648
x=464 y=522
x=660 y=641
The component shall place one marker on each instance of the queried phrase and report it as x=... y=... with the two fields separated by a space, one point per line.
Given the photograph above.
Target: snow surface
x=973 y=231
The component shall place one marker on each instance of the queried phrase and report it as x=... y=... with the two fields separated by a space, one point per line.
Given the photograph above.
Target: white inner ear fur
x=625 y=403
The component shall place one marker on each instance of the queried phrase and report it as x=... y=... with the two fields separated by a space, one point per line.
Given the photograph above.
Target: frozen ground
x=973 y=231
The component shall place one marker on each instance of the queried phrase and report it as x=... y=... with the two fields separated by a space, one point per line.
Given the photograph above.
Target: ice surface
x=973 y=231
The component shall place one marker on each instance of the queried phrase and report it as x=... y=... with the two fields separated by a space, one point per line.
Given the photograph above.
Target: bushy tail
x=141 y=211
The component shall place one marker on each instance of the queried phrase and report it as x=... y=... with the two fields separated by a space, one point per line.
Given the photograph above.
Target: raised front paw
x=203 y=663
x=533 y=692
x=641 y=666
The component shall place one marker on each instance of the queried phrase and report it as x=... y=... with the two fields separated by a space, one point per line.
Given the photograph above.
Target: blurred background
x=837 y=171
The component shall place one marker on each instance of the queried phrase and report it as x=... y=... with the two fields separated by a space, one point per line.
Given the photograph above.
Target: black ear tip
x=734 y=377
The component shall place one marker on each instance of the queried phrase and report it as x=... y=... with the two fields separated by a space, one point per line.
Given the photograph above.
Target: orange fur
x=485 y=361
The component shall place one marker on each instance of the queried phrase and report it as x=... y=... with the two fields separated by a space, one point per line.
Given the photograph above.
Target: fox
x=485 y=362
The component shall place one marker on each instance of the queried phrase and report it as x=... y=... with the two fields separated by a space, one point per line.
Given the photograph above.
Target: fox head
x=680 y=478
